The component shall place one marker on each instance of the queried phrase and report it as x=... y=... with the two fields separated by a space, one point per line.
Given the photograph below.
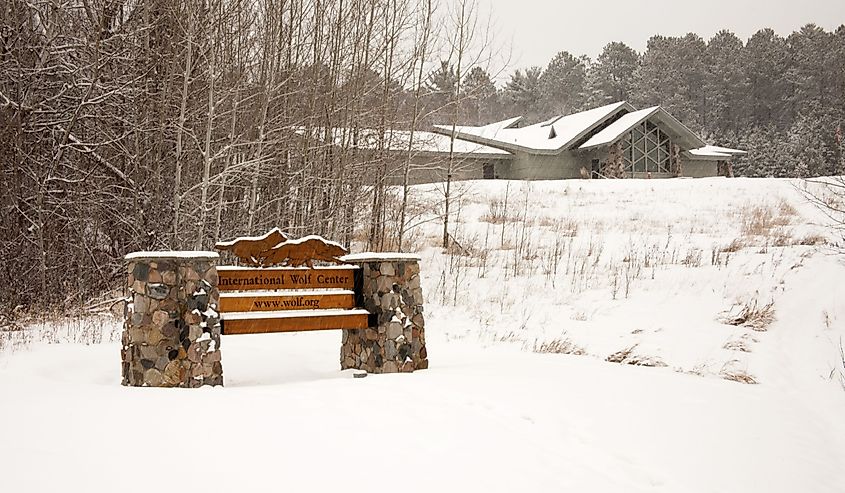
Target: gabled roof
x=619 y=128
x=548 y=137
x=622 y=126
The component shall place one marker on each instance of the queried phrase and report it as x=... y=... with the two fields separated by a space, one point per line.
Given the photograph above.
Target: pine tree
x=611 y=77
x=522 y=94
x=767 y=62
x=727 y=88
x=563 y=83
x=481 y=99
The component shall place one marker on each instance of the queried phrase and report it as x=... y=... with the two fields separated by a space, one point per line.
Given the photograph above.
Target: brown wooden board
x=252 y=279
x=348 y=319
x=305 y=300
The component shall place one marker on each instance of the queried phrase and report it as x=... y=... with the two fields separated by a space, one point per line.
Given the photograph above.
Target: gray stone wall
x=171 y=335
x=395 y=341
x=547 y=167
x=700 y=168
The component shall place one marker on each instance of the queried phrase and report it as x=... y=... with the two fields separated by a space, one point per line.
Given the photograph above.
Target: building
x=613 y=141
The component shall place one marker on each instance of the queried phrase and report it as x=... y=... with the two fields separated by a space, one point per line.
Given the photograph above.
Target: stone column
x=171 y=335
x=395 y=340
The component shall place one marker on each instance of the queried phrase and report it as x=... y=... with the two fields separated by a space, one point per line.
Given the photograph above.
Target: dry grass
x=811 y=240
x=561 y=227
x=734 y=246
x=57 y=329
x=760 y=220
x=559 y=346
x=781 y=238
x=693 y=258
x=730 y=371
x=497 y=213
x=750 y=315
x=757 y=221
x=628 y=357
x=743 y=344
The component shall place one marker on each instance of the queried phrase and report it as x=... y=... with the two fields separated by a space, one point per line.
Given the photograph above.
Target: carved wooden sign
x=250 y=248
x=276 y=248
x=263 y=298
x=304 y=251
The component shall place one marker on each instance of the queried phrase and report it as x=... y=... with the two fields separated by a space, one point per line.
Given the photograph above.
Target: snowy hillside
x=651 y=335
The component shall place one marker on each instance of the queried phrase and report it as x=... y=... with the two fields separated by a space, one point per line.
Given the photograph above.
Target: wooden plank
x=234 y=324
x=252 y=279
x=279 y=300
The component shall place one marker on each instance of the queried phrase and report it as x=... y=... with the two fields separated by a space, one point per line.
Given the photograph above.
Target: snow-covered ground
x=520 y=395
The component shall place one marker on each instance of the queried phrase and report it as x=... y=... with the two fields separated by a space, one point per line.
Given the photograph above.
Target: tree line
x=171 y=124
x=780 y=98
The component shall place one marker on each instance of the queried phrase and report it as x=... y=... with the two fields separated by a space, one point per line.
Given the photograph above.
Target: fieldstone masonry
x=171 y=335
x=392 y=293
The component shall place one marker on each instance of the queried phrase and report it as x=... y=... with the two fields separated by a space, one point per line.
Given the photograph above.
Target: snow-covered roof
x=423 y=142
x=616 y=130
x=716 y=151
x=619 y=128
x=548 y=137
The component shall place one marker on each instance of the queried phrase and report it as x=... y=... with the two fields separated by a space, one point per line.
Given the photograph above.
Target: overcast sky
x=537 y=29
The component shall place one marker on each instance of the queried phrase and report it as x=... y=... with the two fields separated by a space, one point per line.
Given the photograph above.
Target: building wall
x=432 y=169
x=699 y=168
x=540 y=167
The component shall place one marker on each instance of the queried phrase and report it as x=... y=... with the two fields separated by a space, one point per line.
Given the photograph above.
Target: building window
x=487 y=171
x=647 y=149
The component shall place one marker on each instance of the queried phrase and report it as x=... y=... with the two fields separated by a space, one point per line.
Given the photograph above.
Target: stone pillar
x=395 y=340
x=171 y=335
x=675 y=164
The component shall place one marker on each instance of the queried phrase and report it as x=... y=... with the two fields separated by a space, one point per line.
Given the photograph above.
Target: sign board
x=293 y=321
x=253 y=301
x=275 y=278
x=263 y=298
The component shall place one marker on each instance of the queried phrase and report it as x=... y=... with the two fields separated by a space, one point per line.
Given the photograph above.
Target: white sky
x=535 y=30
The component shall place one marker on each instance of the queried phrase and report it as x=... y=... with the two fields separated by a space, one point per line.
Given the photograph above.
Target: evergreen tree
x=770 y=94
x=811 y=53
x=522 y=94
x=563 y=83
x=439 y=92
x=481 y=99
x=726 y=87
x=611 y=77
x=672 y=75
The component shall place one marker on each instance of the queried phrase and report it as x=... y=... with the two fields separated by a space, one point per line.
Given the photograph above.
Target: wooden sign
x=275 y=301
x=264 y=299
x=294 y=321
x=303 y=251
x=249 y=249
x=275 y=248
x=248 y=279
